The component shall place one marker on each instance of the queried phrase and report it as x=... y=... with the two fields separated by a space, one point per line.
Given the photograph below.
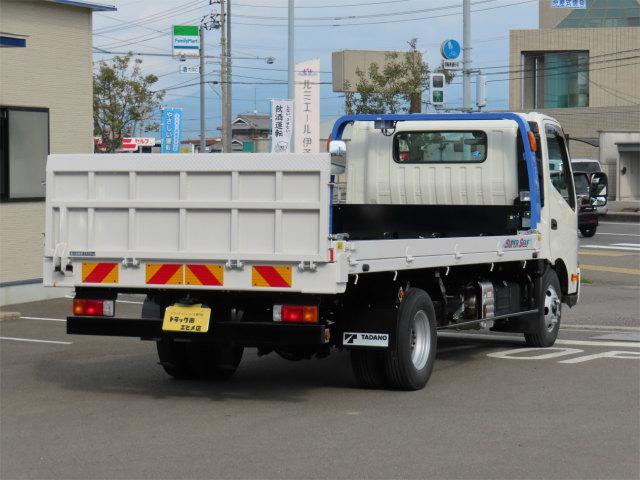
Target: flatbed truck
x=418 y=223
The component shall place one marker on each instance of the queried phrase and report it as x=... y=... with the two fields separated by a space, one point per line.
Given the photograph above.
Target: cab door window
x=559 y=167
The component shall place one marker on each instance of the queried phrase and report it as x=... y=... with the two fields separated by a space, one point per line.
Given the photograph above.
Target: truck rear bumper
x=247 y=334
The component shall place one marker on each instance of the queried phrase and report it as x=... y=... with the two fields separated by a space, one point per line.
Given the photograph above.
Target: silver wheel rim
x=420 y=340
x=551 y=308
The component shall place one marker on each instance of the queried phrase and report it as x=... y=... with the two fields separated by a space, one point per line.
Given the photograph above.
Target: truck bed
x=249 y=222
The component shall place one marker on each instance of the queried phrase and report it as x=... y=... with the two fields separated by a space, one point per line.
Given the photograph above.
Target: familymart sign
x=186 y=41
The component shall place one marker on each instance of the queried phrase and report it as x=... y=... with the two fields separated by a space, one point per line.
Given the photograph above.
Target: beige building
x=582 y=67
x=45 y=107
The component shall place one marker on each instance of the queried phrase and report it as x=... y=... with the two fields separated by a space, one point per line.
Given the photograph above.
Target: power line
x=370 y=15
x=358 y=24
x=154 y=17
x=365 y=4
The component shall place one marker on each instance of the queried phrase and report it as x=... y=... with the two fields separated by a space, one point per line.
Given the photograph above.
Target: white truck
x=433 y=222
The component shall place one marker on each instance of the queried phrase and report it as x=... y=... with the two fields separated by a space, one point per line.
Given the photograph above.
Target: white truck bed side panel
x=261 y=207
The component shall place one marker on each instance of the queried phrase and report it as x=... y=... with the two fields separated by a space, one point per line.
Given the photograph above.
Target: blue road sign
x=171 y=130
x=450 y=49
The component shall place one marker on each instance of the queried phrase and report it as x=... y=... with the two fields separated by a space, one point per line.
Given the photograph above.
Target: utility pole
x=466 y=55
x=291 y=66
x=224 y=80
x=227 y=103
x=203 y=140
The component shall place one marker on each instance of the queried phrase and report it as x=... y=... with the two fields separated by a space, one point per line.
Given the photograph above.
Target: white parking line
x=607 y=247
x=618 y=223
x=510 y=338
x=46 y=319
x=588 y=343
x=619 y=234
x=35 y=340
x=597 y=327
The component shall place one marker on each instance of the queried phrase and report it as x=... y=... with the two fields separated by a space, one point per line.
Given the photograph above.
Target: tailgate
x=213 y=210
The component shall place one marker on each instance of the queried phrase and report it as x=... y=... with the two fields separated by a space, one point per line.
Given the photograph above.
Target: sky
x=322 y=26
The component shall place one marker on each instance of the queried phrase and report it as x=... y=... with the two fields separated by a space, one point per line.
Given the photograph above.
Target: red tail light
x=295 y=313
x=94 y=308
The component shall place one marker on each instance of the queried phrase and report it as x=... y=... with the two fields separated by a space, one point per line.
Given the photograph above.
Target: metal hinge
x=234 y=264
x=307 y=265
x=130 y=262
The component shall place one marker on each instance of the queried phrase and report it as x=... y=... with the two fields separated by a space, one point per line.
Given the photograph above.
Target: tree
x=123 y=101
x=397 y=87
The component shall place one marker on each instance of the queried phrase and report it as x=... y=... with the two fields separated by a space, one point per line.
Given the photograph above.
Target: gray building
x=581 y=66
x=46 y=106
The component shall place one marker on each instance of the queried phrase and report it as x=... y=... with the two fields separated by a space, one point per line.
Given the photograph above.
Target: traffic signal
x=437 y=89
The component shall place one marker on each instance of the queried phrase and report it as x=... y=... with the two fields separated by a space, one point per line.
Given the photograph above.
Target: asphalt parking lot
x=96 y=407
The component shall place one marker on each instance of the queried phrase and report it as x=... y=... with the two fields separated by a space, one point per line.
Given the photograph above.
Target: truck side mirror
x=599 y=190
x=338 y=148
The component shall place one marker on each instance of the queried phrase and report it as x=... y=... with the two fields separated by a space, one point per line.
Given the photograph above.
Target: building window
x=604 y=13
x=556 y=79
x=24 y=146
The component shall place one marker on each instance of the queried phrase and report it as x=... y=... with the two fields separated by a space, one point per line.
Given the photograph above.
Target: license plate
x=186 y=318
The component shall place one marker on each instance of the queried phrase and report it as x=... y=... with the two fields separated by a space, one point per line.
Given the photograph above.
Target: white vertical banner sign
x=281 y=125
x=307 y=107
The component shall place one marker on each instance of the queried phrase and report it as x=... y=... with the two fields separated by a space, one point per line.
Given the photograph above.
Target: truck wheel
x=588 y=232
x=172 y=355
x=409 y=361
x=214 y=362
x=174 y=359
x=547 y=323
x=368 y=367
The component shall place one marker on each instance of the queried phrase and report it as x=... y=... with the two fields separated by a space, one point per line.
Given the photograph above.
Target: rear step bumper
x=248 y=334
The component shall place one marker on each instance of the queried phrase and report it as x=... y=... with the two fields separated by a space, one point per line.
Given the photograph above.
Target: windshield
x=586 y=167
x=581 y=184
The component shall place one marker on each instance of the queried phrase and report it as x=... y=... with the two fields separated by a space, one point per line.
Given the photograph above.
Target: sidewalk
x=624 y=211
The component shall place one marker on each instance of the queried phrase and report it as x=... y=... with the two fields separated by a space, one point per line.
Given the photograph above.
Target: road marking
x=618 y=223
x=510 y=338
x=599 y=327
x=604 y=254
x=46 y=319
x=589 y=343
x=35 y=340
x=612 y=354
x=610 y=247
x=634 y=245
x=619 y=234
x=602 y=268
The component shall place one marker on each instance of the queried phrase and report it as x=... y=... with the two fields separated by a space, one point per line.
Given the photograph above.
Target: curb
x=621 y=217
x=9 y=315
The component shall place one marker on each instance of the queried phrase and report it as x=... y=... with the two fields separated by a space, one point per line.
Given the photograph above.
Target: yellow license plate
x=186 y=318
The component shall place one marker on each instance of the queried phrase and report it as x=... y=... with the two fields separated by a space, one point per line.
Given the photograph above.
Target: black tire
x=172 y=356
x=546 y=325
x=174 y=359
x=368 y=367
x=588 y=232
x=416 y=311
x=214 y=362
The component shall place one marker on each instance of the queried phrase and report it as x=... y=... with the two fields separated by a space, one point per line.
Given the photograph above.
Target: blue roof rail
x=523 y=127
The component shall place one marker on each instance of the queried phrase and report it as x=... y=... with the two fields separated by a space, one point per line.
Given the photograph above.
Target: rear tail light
x=295 y=313
x=93 y=308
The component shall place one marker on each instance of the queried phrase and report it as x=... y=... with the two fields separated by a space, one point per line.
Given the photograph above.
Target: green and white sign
x=186 y=41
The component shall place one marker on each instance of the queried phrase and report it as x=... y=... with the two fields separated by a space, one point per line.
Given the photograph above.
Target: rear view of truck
x=265 y=251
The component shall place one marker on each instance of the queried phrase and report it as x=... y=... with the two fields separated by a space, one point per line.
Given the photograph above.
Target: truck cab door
x=560 y=199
